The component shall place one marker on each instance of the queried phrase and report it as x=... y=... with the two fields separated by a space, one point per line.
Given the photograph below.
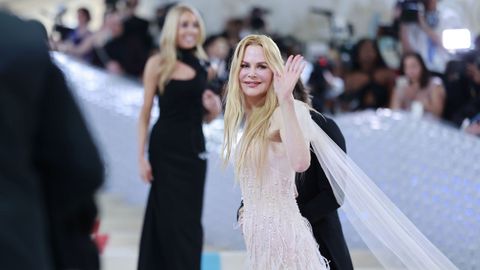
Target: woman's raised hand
x=284 y=81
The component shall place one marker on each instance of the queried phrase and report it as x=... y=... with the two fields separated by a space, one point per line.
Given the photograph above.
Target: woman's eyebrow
x=258 y=63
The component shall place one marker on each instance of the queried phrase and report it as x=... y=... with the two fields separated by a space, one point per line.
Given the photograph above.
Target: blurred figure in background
x=468 y=115
x=122 y=54
x=159 y=20
x=418 y=90
x=255 y=23
x=49 y=165
x=134 y=26
x=172 y=236
x=421 y=24
x=77 y=36
x=218 y=50
x=369 y=82
x=462 y=81
x=232 y=30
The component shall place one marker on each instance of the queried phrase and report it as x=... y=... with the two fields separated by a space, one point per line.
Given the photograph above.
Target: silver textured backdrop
x=430 y=170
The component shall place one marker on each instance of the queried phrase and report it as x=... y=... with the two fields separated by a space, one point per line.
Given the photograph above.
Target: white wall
x=294 y=17
x=287 y=16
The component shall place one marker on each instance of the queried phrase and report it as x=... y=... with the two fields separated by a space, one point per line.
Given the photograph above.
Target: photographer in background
x=421 y=24
x=462 y=82
x=464 y=100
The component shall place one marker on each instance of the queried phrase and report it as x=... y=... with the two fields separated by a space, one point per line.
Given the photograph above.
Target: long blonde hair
x=254 y=140
x=168 y=42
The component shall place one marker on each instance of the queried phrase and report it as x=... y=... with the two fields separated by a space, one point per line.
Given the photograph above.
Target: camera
x=410 y=10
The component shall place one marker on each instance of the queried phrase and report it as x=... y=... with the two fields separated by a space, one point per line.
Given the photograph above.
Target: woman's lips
x=252 y=84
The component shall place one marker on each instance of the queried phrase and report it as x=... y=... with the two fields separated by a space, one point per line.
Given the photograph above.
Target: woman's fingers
x=297 y=63
x=301 y=67
x=294 y=63
x=288 y=63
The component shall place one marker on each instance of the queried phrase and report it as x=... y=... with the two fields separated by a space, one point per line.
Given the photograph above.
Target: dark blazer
x=49 y=165
x=318 y=204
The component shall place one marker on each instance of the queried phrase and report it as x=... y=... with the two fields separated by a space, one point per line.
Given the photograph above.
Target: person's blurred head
x=131 y=4
x=114 y=24
x=83 y=16
x=161 y=13
x=233 y=27
x=414 y=68
x=183 y=28
x=217 y=47
x=430 y=5
x=366 y=56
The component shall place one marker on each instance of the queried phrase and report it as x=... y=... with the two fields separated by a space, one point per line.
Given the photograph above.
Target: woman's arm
x=428 y=30
x=436 y=101
x=297 y=147
x=404 y=39
x=398 y=94
x=150 y=82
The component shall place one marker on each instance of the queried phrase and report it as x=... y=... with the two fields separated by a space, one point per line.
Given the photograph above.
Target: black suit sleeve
x=324 y=202
x=71 y=171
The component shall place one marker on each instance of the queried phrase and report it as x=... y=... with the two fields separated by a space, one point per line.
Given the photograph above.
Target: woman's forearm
x=297 y=148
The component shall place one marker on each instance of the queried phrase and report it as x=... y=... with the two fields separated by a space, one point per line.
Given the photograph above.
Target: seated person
x=369 y=82
x=419 y=87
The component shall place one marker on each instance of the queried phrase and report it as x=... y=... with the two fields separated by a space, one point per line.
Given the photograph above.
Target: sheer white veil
x=389 y=234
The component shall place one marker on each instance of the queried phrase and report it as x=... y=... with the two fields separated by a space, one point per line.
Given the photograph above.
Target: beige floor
x=122 y=222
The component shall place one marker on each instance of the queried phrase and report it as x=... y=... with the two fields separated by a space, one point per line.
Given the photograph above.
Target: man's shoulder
x=20 y=38
x=330 y=127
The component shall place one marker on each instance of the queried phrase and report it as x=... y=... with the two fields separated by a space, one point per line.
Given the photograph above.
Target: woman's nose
x=252 y=73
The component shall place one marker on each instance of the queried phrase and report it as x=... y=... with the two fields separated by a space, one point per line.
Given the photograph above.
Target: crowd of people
x=283 y=220
x=429 y=80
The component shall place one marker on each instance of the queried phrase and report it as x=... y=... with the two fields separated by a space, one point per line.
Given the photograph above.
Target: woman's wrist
x=286 y=100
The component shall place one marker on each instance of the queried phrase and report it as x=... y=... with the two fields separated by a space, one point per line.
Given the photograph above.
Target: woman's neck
x=186 y=51
x=252 y=102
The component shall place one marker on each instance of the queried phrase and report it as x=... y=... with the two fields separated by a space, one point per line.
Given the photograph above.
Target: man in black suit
x=49 y=165
x=316 y=200
x=318 y=205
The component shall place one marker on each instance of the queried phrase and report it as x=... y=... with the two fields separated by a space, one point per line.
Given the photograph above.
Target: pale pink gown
x=276 y=235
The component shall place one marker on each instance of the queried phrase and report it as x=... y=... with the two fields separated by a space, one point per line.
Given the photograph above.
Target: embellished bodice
x=275 y=190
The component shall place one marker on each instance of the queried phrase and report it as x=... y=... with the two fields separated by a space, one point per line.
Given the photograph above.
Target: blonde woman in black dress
x=172 y=235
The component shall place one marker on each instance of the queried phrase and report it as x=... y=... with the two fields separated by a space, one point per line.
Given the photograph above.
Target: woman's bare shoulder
x=152 y=67
x=154 y=60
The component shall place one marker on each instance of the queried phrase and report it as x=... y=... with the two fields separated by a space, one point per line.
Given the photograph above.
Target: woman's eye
x=243 y=65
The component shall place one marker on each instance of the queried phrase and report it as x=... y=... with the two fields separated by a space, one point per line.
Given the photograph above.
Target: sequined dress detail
x=276 y=235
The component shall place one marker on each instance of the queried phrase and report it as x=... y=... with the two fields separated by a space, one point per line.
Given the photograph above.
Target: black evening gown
x=172 y=235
